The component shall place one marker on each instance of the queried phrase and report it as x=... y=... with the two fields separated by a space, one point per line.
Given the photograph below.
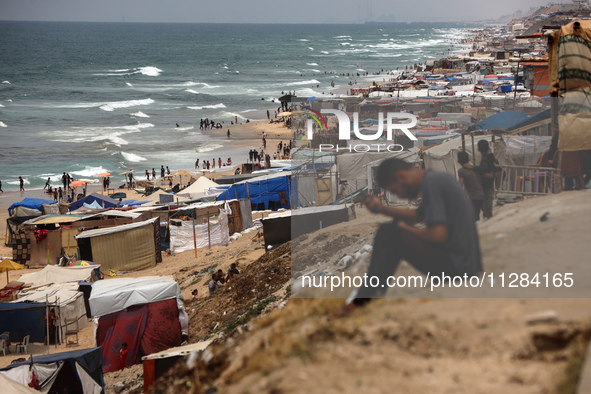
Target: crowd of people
x=163 y=172
x=218 y=278
x=210 y=165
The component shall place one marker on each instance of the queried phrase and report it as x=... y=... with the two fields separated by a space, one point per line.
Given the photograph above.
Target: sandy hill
x=439 y=345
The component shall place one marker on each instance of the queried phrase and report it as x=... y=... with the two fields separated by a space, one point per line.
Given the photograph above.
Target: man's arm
x=409 y=215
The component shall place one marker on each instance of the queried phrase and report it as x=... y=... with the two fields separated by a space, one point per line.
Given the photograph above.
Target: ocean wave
x=215 y=106
x=208 y=148
x=184 y=128
x=150 y=71
x=124 y=104
x=128 y=84
x=2 y=124
x=304 y=40
x=140 y=114
x=324 y=52
x=308 y=82
x=310 y=48
x=191 y=91
x=132 y=157
x=337 y=37
x=1 y=106
x=89 y=171
x=6 y=82
x=312 y=64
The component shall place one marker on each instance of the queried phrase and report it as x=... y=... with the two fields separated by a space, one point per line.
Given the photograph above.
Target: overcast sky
x=259 y=11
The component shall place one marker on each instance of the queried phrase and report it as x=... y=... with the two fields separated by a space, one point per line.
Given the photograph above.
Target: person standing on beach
x=219 y=162
x=47 y=184
x=1 y=187
x=471 y=182
x=212 y=163
x=168 y=170
x=228 y=133
x=21 y=183
x=487 y=168
x=147 y=175
x=55 y=194
x=60 y=194
x=268 y=115
x=153 y=174
x=64 y=180
x=196 y=164
x=161 y=171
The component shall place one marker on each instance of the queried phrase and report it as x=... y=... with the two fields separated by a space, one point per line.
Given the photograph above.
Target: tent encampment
x=77 y=371
x=154 y=198
x=101 y=201
x=265 y=192
x=147 y=313
x=128 y=247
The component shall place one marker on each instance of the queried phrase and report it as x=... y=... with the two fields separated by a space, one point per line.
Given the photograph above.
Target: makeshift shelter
x=157 y=364
x=52 y=274
x=147 y=313
x=198 y=188
x=77 y=371
x=68 y=303
x=503 y=120
x=29 y=207
x=155 y=198
x=265 y=192
x=185 y=235
x=21 y=319
x=101 y=202
x=13 y=387
x=129 y=247
x=282 y=227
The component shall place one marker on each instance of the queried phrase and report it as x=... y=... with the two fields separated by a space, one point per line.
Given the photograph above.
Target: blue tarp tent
x=80 y=370
x=265 y=192
x=103 y=201
x=534 y=119
x=31 y=203
x=503 y=120
x=21 y=319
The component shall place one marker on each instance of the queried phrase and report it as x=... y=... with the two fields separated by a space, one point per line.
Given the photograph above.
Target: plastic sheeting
x=10 y=385
x=263 y=190
x=197 y=188
x=21 y=319
x=29 y=207
x=54 y=274
x=217 y=233
x=103 y=201
x=117 y=294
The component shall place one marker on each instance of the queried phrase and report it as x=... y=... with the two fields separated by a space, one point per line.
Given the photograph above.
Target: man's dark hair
x=483 y=146
x=388 y=169
x=463 y=157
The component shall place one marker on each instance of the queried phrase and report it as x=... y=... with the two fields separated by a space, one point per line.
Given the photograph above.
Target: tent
x=77 y=371
x=213 y=231
x=128 y=247
x=54 y=274
x=265 y=192
x=21 y=319
x=198 y=188
x=70 y=303
x=10 y=386
x=29 y=207
x=147 y=313
x=154 y=198
x=102 y=201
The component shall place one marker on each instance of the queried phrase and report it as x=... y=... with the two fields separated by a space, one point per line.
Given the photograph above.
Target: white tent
x=114 y=295
x=198 y=188
x=54 y=274
x=212 y=232
x=154 y=198
x=16 y=380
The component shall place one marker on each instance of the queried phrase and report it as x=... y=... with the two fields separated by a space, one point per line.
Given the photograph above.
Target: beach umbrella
x=77 y=183
x=9 y=265
x=302 y=138
x=104 y=174
x=80 y=263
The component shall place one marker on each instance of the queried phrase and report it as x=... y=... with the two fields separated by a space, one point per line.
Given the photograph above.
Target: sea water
x=86 y=98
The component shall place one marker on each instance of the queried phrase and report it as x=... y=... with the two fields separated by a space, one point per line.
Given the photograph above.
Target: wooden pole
x=208 y=232
x=194 y=234
x=47 y=253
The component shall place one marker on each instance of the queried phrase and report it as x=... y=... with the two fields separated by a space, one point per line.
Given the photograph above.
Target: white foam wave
x=150 y=71
x=25 y=181
x=310 y=48
x=124 y=104
x=312 y=64
x=304 y=40
x=89 y=171
x=191 y=91
x=342 y=37
x=6 y=82
x=2 y=124
x=308 y=82
x=326 y=53
x=220 y=105
x=128 y=84
x=208 y=148
x=184 y=128
x=140 y=114
x=1 y=106
x=132 y=157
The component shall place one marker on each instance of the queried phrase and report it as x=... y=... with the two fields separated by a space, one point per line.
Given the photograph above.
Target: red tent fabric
x=147 y=329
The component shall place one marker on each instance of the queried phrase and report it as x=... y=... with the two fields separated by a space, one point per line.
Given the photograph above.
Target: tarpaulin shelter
x=69 y=305
x=102 y=201
x=10 y=386
x=271 y=191
x=29 y=207
x=503 y=120
x=212 y=231
x=154 y=198
x=147 y=313
x=77 y=371
x=129 y=247
x=55 y=274
x=22 y=319
x=569 y=65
